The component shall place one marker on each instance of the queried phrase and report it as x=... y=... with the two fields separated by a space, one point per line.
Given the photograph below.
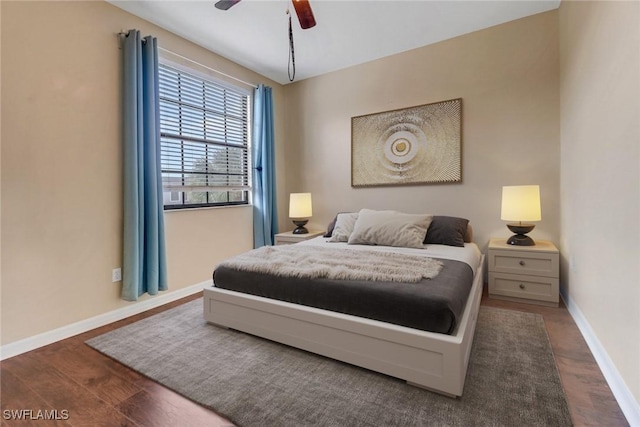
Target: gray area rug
x=512 y=379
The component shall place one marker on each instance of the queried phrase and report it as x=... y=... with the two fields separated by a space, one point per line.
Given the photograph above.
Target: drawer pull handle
x=522 y=262
x=521 y=286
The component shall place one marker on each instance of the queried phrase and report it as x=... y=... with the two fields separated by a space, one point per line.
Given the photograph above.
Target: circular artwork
x=414 y=145
x=402 y=146
x=399 y=148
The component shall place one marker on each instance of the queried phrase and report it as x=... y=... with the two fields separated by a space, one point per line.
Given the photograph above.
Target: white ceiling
x=254 y=33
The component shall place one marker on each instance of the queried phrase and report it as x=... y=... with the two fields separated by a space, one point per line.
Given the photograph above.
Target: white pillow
x=390 y=228
x=344 y=227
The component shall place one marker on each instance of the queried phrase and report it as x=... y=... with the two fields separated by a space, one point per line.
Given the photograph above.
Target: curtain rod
x=208 y=68
x=123 y=34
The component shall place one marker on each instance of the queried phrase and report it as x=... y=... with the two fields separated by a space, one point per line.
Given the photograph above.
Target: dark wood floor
x=95 y=390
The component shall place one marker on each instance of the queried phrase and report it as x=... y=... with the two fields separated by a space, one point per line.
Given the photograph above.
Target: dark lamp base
x=519 y=239
x=300 y=229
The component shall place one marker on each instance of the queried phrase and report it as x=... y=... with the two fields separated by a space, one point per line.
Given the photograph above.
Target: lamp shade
x=300 y=205
x=521 y=203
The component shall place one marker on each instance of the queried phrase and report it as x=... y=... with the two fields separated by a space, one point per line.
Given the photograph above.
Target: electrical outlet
x=116 y=275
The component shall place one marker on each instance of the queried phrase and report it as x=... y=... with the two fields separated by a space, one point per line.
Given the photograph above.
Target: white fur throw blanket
x=311 y=262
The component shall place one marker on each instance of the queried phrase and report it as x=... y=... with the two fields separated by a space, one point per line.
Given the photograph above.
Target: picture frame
x=409 y=146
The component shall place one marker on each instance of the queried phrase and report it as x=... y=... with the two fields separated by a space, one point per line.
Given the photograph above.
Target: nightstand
x=289 y=238
x=524 y=273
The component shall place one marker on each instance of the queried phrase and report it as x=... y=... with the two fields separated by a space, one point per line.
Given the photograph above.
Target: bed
x=431 y=355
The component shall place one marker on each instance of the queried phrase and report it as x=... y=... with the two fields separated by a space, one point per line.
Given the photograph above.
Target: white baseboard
x=628 y=404
x=46 y=338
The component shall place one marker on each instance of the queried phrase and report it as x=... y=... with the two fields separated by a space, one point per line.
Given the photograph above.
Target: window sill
x=203 y=208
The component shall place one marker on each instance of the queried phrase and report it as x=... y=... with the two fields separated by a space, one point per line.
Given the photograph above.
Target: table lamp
x=300 y=211
x=521 y=203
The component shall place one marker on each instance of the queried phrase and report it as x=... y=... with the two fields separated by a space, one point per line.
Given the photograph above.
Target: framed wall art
x=416 y=145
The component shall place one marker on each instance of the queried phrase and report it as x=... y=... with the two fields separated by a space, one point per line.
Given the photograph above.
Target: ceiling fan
x=302 y=7
x=305 y=17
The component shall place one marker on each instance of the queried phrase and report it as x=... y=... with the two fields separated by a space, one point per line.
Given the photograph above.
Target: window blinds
x=204 y=136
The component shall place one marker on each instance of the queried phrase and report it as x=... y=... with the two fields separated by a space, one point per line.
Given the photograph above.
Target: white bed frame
x=437 y=362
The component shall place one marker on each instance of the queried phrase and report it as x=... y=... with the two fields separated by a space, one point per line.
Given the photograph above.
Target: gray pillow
x=447 y=230
x=332 y=225
x=389 y=228
x=344 y=227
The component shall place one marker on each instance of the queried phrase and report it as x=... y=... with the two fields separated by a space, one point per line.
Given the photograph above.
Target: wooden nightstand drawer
x=524 y=273
x=525 y=287
x=516 y=262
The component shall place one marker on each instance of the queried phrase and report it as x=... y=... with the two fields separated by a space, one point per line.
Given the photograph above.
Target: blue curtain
x=144 y=259
x=265 y=212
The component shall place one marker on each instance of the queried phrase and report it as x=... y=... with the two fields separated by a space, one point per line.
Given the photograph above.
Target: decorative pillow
x=332 y=225
x=389 y=228
x=447 y=230
x=344 y=227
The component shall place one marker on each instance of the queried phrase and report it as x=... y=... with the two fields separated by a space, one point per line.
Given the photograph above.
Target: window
x=204 y=134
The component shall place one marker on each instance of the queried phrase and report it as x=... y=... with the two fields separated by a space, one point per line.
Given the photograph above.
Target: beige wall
x=507 y=77
x=61 y=168
x=600 y=122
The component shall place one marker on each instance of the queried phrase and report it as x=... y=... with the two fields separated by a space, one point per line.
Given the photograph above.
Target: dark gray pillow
x=331 y=226
x=447 y=230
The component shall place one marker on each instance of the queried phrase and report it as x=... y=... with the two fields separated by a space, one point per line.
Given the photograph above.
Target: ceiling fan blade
x=305 y=14
x=225 y=4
